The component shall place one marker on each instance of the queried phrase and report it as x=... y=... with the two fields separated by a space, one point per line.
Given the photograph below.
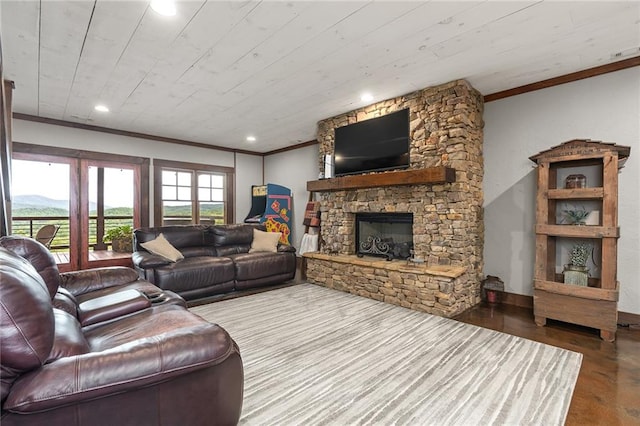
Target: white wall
x=68 y=137
x=248 y=167
x=605 y=108
x=248 y=172
x=293 y=169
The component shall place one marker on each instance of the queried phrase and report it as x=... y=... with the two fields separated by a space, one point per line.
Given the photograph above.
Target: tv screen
x=377 y=144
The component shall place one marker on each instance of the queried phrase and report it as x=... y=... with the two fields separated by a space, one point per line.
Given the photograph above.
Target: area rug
x=316 y=356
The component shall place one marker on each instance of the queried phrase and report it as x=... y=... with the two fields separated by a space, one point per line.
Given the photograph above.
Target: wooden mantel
x=406 y=177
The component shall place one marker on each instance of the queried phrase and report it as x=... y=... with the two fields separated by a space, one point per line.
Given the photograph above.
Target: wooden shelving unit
x=595 y=305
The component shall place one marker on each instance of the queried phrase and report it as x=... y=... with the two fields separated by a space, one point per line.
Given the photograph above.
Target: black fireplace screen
x=388 y=235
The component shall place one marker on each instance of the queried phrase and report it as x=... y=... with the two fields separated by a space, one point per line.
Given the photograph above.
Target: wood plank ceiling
x=221 y=70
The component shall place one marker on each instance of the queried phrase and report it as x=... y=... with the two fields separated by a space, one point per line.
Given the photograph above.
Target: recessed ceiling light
x=164 y=7
x=101 y=108
x=366 y=97
x=251 y=138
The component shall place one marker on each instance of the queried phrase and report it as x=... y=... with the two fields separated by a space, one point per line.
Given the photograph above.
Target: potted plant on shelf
x=576 y=216
x=576 y=272
x=121 y=239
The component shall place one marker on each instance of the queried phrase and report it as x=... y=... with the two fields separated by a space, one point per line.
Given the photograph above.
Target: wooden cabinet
x=594 y=305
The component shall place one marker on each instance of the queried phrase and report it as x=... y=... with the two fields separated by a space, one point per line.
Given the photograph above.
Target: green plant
x=579 y=254
x=123 y=233
x=575 y=216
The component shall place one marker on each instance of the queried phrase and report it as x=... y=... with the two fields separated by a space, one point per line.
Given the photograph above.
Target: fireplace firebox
x=388 y=235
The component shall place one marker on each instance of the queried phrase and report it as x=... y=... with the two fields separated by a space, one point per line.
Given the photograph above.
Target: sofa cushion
x=65 y=301
x=262 y=264
x=152 y=322
x=265 y=241
x=225 y=251
x=162 y=247
x=85 y=281
x=26 y=319
x=69 y=340
x=198 y=251
x=179 y=236
x=38 y=256
x=194 y=273
x=232 y=235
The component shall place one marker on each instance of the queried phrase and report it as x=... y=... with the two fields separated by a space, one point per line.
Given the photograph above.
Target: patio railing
x=29 y=226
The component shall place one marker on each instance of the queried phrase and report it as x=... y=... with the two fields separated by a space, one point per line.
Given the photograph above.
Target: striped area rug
x=316 y=356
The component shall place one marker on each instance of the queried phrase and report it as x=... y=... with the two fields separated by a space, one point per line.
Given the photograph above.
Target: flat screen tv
x=377 y=144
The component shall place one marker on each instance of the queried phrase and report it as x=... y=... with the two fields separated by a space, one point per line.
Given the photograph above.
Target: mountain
x=41 y=202
x=38 y=202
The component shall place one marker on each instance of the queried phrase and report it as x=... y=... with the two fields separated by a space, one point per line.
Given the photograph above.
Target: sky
x=52 y=180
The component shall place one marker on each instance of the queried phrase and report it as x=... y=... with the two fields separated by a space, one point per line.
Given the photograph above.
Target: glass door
x=109 y=212
x=44 y=204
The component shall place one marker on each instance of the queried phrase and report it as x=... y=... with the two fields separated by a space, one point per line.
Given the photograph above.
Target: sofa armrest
x=286 y=248
x=80 y=282
x=141 y=363
x=146 y=260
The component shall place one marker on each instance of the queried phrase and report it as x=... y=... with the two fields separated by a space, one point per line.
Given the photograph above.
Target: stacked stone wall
x=445 y=293
x=445 y=130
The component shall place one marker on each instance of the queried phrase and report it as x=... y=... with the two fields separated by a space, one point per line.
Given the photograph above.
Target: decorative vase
x=576 y=275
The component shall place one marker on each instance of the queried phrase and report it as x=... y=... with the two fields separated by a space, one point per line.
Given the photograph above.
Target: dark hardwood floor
x=608 y=387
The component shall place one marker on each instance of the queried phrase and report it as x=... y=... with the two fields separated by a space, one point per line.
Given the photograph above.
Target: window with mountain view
x=85 y=197
x=211 y=198
x=111 y=201
x=191 y=196
x=41 y=197
x=177 y=208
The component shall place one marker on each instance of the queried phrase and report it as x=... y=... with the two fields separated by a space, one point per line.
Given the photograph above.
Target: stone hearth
x=445 y=130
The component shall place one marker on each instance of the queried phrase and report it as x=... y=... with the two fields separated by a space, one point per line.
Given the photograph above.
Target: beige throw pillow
x=264 y=241
x=162 y=247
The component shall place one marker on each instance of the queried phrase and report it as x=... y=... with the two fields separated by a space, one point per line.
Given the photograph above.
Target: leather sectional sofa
x=216 y=260
x=103 y=347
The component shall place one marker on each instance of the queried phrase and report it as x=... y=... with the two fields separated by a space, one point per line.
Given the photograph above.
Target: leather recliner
x=155 y=364
x=91 y=295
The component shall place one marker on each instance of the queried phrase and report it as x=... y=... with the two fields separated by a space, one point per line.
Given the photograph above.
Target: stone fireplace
x=447 y=228
x=388 y=235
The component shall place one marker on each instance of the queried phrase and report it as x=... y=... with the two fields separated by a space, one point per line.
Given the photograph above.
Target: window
x=177 y=207
x=84 y=194
x=111 y=200
x=211 y=198
x=188 y=193
x=42 y=202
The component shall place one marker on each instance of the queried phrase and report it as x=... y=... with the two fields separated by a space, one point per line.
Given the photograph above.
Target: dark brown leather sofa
x=84 y=348
x=216 y=260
